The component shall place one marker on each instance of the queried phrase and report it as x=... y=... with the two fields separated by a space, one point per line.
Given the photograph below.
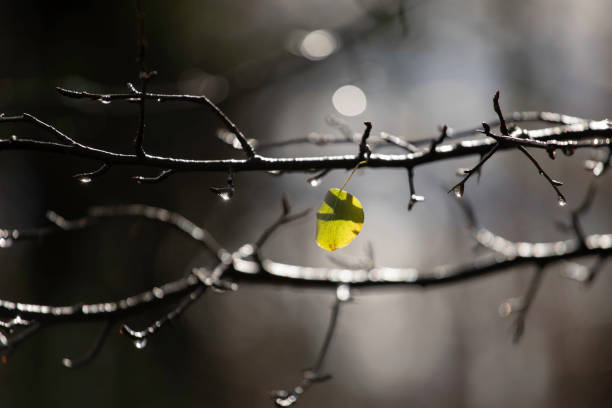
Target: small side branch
x=554 y=183
x=414 y=198
x=88 y=177
x=140 y=337
x=162 y=175
x=284 y=218
x=93 y=351
x=520 y=306
x=458 y=188
x=364 y=149
x=314 y=375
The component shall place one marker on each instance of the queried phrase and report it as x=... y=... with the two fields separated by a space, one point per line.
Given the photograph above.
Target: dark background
x=420 y=64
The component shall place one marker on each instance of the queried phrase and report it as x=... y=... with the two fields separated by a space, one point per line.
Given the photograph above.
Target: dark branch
x=554 y=183
x=434 y=143
x=93 y=351
x=413 y=197
x=140 y=336
x=520 y=306
x=364 y=149
x=588 y=133
x=201 y=99
x=164 y=174
x=89 y=176
x=284 y=218
x=459 y=187
x=313 y=375
x=502 y=122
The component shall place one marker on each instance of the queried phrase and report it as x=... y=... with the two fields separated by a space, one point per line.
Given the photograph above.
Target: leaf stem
x=351 y=175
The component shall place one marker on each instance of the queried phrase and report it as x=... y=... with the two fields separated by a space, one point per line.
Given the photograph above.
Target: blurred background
x=281 y=69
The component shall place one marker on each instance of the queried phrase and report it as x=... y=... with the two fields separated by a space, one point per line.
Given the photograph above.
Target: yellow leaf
x=339 y=220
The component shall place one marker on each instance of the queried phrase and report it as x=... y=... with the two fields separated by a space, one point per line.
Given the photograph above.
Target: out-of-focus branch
x=314 y=375
x=247 y=266
x=519 y=307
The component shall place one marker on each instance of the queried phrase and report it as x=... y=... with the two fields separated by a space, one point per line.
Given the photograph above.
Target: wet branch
x=314 y=375
x=246 y=266
x=593 y=134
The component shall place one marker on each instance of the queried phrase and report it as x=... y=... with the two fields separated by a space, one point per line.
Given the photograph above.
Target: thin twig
x=520 y=306
x=414 y=198
x=200 y=99
x=364 y=149
x=554 y=183
x=93 y=351
x=312 y=375
x=502 y=122
x=140 y=336
x=580 y=210
x=435 y=142
x=284 y=218
x=88 y=177
x=459 y=187
x=259 y=163
x=164 y=174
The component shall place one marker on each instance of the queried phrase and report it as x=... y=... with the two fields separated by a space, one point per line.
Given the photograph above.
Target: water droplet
x=285 y=402
x=274 y=172
x=314 y=181
x=598 y=169
x=158 y=293
x=104 y=101
x=562 y=202
x=225 y=193
x=557 y=182
x=458 y=191
x=85 y=180
x=236 y=143
x=576 y=272
x=343 y=292
x=140 y=343
x=6 y=242
x=414 y=199
x=505 y=309
x=552 y=153
x=14 y=138
x=510 y=306
x=66 y=362
x=159 y=99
